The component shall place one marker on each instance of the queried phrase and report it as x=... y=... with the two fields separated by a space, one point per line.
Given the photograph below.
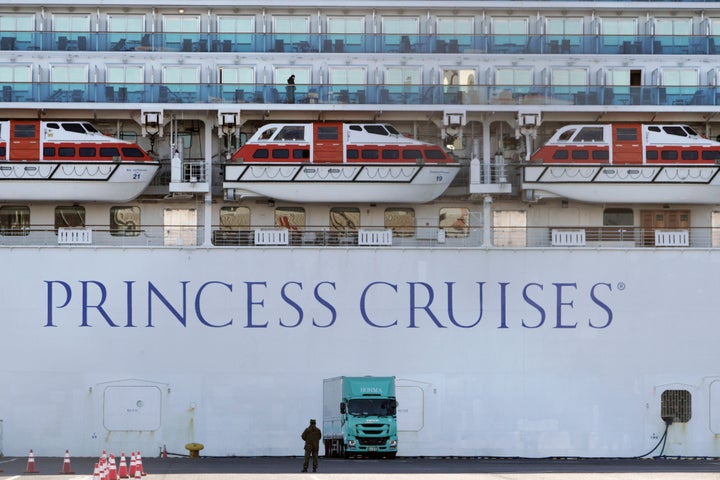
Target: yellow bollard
x=194 y=449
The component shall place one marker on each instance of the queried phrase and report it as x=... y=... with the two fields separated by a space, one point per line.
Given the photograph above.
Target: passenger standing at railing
x=290 y=89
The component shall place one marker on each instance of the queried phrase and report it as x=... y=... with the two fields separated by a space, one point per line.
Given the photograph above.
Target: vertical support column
x=207 y=220
x=487 y=221
x=486 y=156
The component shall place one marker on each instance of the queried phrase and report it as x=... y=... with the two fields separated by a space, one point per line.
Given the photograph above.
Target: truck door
x=627 y=143
x=328 y=143
x=25 y=140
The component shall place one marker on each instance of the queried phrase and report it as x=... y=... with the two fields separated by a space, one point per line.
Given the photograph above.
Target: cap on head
x=312 y=421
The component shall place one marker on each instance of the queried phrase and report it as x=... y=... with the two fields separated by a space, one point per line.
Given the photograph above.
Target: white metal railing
x=275 y=236
x=374 y=237
x=568 y=238
x=70 y=236
x=672 y=238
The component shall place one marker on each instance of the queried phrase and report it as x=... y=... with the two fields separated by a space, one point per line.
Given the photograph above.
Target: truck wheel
x=343 y=451
x=392 y=455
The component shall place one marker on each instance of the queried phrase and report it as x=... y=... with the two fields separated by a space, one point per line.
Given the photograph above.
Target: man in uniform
x=312 y=436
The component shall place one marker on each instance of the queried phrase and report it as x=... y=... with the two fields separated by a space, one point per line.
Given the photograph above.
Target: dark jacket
x=312 y=436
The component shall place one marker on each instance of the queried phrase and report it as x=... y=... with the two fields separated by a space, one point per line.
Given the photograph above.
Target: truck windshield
x=371 y=406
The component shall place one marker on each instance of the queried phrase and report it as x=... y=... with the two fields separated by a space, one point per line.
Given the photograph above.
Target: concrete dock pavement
x=402 y=468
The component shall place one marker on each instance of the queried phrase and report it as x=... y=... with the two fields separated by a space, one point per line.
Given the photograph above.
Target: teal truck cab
x=359 y=416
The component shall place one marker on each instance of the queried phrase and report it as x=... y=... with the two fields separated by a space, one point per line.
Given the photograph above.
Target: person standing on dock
x=312 y=436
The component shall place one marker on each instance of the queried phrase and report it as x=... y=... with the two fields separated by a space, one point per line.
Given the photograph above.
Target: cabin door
x=627 y=144
x=651 y=220
x=328 y=143
x=24 y=140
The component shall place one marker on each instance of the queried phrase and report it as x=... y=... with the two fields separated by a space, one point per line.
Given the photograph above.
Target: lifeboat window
x=352 y=153
x=301 y=153
x=109 y=152
x=690 y=131
x=124 y=221
x=600 y=155
x=132 y=152
x=88 y=152
x=707 y=155
x=628 y=133
x=676 y=405
x=280 y=153
x=390 y=154
x=651 y=154
x=401 y=221
x=328 y=133
x=66 y=152
x=689 y=154
x=370 y=154
x=677 y=131
x=392 y=130
x=69 y=216
x=261 y=153
x=580 y=155
x=411 y=154
x=376 y=129
x=669 y=155
x=434 y=154
x=48 y=151
x=90 y=128
x=2 y=151
x=560 y=155
x=566 y=135
x=455 y=221
x=266 y=134
x=73 y=127
x=356 y=128
x=54 y=126
x=25 y=131
x=14 y=221
x=653 y=128
x=291 y=132
x=590 y=134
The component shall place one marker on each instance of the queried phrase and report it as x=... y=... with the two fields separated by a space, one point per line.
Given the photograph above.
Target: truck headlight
x=393 y=443
x=351 y=443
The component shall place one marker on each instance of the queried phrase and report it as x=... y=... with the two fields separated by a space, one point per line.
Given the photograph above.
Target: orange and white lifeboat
x=338 y=162
x=69 y=160
x=624 y=163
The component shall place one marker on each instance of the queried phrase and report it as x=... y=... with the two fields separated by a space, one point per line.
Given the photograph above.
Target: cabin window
x=580 y=155
x=669 y=155
x=352 y=153
x=15 y=221
x=328 y=133
x=590 y=134
x=344 y=223
x=48 y=151
x=600 y=155
x=124 y=221
x=401 y=221
x=301 y=153
x=261 y=153
x=390 y=154
x=67 y=152
x=434 y=154
x=689 y=154
x=376 y=129
x=88 y=152
x=676 y=405
x=281 y=153
x=132 y=152
x=510 y=228
x=24 y=130
x=626 y=134
x=566 y=135
x=291 y=132
x=73 y=127
x=651 y=155
x=412 y=154
x=3 y=152
x=343 y=26
x=560 y=155
x=109 y=152
x=370 y=154
x=711 y=155
x=618 y=217
x=72 y=216
x=234 y=218
x=678 y=131
x=455 y=221
x=292 y=218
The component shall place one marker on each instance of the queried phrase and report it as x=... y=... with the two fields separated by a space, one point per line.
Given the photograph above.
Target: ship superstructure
x=513 y=211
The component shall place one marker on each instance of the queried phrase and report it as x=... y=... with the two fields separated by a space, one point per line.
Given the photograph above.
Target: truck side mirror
x=342 y=407
x=393 y=407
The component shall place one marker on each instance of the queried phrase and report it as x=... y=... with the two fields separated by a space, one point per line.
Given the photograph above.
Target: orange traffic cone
x=112 y=472
x=138 y=475
x=31 y=464
x=133 y=465
x=96 y=472
x=164 y=451
x=122 y=470
x=66 y=468
x=139 y=465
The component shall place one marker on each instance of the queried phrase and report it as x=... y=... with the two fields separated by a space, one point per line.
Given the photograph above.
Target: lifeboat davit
x=338 y=162
x=626 y=163
x=69 y=160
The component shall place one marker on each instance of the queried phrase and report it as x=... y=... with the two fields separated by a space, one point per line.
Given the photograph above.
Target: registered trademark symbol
x=621 y=286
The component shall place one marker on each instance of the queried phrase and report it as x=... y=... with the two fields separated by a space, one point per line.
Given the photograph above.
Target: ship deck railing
x=357 y=43
x=270 y=236
x=245 y=95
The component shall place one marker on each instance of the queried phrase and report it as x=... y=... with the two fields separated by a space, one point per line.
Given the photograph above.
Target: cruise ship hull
x=497 y=352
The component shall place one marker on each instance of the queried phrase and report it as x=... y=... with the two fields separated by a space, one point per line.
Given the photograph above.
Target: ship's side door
x=627 y=143
x=328 y=142
x=24 y=140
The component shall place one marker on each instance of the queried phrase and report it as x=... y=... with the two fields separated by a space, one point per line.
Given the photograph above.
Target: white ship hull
x=497 y=352
x=340 y=183
x=625 y=184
